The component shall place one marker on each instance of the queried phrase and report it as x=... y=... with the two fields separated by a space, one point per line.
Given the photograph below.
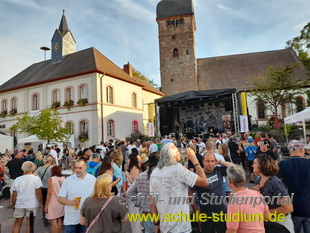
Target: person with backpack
x=93 y=166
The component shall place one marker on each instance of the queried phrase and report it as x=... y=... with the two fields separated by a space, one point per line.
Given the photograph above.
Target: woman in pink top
x=252 y=220
x=53 y=209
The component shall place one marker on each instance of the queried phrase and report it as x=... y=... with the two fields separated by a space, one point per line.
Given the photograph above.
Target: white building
x=116 y=104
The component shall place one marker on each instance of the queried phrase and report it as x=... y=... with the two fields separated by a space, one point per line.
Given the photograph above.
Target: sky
x=126 y=30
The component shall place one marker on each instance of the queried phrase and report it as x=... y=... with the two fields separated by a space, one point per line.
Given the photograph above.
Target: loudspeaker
x=228 y=105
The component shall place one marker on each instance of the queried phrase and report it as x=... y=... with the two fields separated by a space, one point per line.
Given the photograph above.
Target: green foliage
x=83 y=137
x=264 y=128
x=55 y=104
x=13 y=111
x=138 y=74
x=308 y=98
x=301 y=45
x=82 y=102
x=287 y=130
x=276 y=87
x=4 y=113
x=46 y=126
x=68 y=104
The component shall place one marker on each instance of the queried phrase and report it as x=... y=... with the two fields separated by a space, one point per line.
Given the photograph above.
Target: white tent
x=300 y=117
x=32 y=138
x=6 y=142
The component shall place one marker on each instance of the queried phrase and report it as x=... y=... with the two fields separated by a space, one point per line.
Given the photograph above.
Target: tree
x=276 y=88
x=301 y=45
x=138 y=74
x=46 y=126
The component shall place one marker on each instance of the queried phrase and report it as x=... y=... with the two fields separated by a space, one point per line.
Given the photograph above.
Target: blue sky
x=126 y=30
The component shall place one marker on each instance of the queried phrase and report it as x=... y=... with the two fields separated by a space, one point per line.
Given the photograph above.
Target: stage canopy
x=195 y=95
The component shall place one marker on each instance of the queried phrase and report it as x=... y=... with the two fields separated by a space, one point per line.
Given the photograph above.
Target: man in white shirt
x=73 y=192
x=169 y=172
x=201 y=146
x=26 y=196
x=102 y=148
x=153 y=147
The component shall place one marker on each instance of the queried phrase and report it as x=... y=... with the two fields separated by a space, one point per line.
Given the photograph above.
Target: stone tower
x=176 y=28
x=63 y=42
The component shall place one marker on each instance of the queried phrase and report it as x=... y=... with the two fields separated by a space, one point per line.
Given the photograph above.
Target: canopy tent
x=300 y=117
x=6 y=142
x=195 y=95
x=32 y=138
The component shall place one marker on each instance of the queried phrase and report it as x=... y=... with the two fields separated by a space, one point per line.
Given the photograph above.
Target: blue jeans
x=301 y=221
x=78 y=228
x=149 y=226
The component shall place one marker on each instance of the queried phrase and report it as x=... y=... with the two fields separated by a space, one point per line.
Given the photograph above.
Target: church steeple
x=63 y=42
x=63 y=26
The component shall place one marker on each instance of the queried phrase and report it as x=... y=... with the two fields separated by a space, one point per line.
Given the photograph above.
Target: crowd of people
x=98 y=188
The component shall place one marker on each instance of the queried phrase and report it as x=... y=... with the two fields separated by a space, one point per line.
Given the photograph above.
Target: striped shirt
x=140 y=186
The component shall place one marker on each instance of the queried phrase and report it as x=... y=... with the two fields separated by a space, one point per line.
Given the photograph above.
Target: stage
x=196 y=113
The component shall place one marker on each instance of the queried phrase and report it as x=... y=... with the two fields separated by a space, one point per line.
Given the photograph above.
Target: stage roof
x=195 y=95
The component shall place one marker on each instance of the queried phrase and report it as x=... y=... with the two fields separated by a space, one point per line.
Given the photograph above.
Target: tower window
x=187 y=52
x=173 y=37
x=175 y=53
x=172 y=80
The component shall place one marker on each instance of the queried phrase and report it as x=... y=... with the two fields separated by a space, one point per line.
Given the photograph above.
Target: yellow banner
x=151 y=112
x=244 y=109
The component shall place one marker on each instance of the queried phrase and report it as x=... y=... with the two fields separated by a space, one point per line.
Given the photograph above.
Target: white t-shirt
x=153 y=148
x=54 y=154
x=219 y=157
x=103 y=150
x=130 y=147
x=202 y=146
x=26 y=186
x=172 y=182
x=75 y=187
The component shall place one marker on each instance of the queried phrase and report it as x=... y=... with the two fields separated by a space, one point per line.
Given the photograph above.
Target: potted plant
x=82 y=101
x=4 y=113
x=56 y=104
x=83 y=137
x=13 y=111
x=68 y=104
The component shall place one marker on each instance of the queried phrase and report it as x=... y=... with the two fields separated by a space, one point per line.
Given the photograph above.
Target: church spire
x=63 y=26
x=63 y=42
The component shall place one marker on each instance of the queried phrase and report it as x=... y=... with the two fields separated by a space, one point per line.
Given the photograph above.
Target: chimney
x=128 y=69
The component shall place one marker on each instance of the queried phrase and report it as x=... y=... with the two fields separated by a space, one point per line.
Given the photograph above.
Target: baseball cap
x=264 y=142
x=250 y=140
x=152 y=140
x=295 y=145
x=138 y=140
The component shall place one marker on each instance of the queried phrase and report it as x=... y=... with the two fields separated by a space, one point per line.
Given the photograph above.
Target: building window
x=69 y=93
x=14 y=103
x=187 y=52
x=133 y=100
x=299 y=102
x=4 y=105
x=56 y=96
x=83 y=92
x=261 y=109
x=84 y=127
x=135 y=127
x=175 y=53
x=35 y=102
x=110 y=94
x=70 y=127
x=110 y=128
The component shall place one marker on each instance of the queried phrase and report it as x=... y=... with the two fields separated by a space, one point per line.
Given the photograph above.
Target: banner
x=151 y=110
x=243 y=103
x=244 y=124
x=151 y=130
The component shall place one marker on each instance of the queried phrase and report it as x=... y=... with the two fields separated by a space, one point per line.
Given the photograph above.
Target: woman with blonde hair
x=92 y=214
x=144 y=150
